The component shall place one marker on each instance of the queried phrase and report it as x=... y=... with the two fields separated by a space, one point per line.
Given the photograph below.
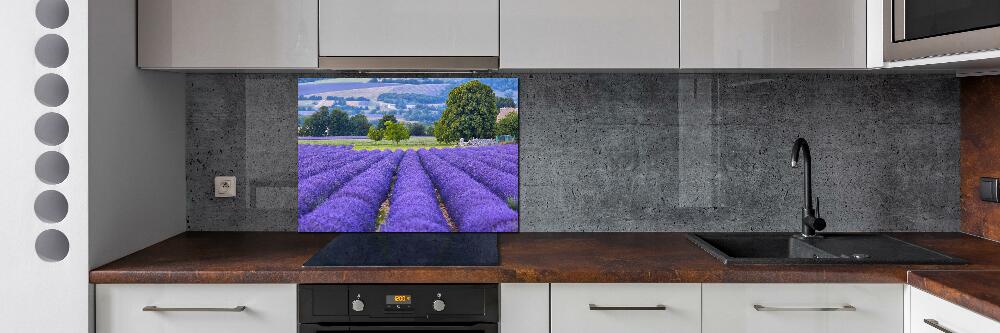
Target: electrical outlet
x=225 y=187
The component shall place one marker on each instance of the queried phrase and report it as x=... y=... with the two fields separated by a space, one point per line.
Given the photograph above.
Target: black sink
x=786 y=248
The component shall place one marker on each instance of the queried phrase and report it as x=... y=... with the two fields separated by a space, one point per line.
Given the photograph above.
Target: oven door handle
x=481 y=327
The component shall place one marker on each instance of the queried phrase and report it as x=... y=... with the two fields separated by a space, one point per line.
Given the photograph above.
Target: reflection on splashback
x=640 y=152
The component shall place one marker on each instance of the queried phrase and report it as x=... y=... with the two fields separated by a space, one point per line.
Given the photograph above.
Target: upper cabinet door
x=227 y=33
x=409 y=28
x=589 y=34
x=773 y=34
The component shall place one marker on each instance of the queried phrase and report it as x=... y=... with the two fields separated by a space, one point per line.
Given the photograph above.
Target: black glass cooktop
x=408 y=249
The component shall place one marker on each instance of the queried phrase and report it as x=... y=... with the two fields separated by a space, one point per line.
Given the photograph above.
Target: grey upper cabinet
x=589 y=34
x=409 y=28
x=193 y=34
x=402 y=35
x=774 y=34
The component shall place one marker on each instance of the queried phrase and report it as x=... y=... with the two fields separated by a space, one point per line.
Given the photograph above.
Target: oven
x=916 y=29
x=386 y=308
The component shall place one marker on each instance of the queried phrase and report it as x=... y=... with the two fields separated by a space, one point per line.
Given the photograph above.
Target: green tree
x=359 y=125
x=508 y=125
x=308 y=124
x=320 y=122
x=506 y=102
x=417 y=129
x=387 y=119
x=396 y=132
x=470 y=112
x=339 y=124
x=375 y=134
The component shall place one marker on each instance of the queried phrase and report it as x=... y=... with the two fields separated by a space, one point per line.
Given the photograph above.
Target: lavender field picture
x=408 y=155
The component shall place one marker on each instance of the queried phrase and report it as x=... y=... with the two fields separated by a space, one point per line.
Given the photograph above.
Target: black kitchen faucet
x=810 y=221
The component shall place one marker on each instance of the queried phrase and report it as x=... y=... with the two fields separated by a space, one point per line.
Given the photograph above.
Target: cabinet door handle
x=935 y=324
x=594 y=307
x=154 y=308
x=848 y=307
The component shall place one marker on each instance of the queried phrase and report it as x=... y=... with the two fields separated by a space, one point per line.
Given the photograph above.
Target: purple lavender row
x=306 y=150
x=323 y=162
x=492 y=158
x=314 y=190
x=413 y=206
x=308 y=154
x=470 y=205
x=503 y=184
x=505 y=153
x=317 y=163
x=510 y=149
x=311 y=150
x=326 y=161
x=354 y=207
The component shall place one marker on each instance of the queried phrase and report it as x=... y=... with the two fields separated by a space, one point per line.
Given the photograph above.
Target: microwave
x=915 y=29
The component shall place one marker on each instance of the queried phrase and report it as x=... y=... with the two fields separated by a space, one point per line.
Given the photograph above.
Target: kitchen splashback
x=640 y=152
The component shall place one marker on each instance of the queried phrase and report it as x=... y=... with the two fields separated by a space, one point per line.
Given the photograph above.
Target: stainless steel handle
x=935 y=324
x=240 y=308
x=848 y=307
x=594 y=307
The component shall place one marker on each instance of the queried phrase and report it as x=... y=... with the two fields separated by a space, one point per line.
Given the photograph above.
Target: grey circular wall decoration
x=51 y=129
x=51 y=90
x=51 y=206
x=51 y=50
x=52 y=167
x=52 y=13
x=52 y=245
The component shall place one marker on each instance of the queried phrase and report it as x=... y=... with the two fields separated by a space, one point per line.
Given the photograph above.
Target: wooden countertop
x=978 y=291
x=277 y=257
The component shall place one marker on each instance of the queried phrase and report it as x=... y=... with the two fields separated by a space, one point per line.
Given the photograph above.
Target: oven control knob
x=438 y=305
x=358 y=305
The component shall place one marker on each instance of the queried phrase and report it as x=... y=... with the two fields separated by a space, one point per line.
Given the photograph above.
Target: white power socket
x=225 y=186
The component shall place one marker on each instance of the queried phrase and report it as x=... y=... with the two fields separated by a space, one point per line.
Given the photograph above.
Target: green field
x=365 y=144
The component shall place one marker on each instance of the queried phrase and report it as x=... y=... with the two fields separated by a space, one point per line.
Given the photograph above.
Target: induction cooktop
x=408 y=249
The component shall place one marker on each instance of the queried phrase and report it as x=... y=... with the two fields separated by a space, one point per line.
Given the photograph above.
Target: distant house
x=386 y=106
x=505 y=111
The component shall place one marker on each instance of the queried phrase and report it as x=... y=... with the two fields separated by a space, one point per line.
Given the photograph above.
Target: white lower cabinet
x=930 y=314
x=570 y=308
x=196 y=308
x=524 y=308
x=626 y=307
x=815 y=308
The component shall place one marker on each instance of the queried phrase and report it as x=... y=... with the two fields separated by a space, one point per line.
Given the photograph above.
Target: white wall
x=137 y=187
x=38 y=295
x=126 y=128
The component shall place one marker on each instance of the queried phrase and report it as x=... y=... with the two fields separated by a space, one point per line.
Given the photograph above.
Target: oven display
x=398 y=302
x=398 y=299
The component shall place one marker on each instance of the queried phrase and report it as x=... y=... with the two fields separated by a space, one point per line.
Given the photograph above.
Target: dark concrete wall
x=641 y=152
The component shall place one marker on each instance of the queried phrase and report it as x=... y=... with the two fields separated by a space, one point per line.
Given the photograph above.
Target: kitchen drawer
x=269 y=308
x=776 y=308
x=626 y=307
x=948 y=316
